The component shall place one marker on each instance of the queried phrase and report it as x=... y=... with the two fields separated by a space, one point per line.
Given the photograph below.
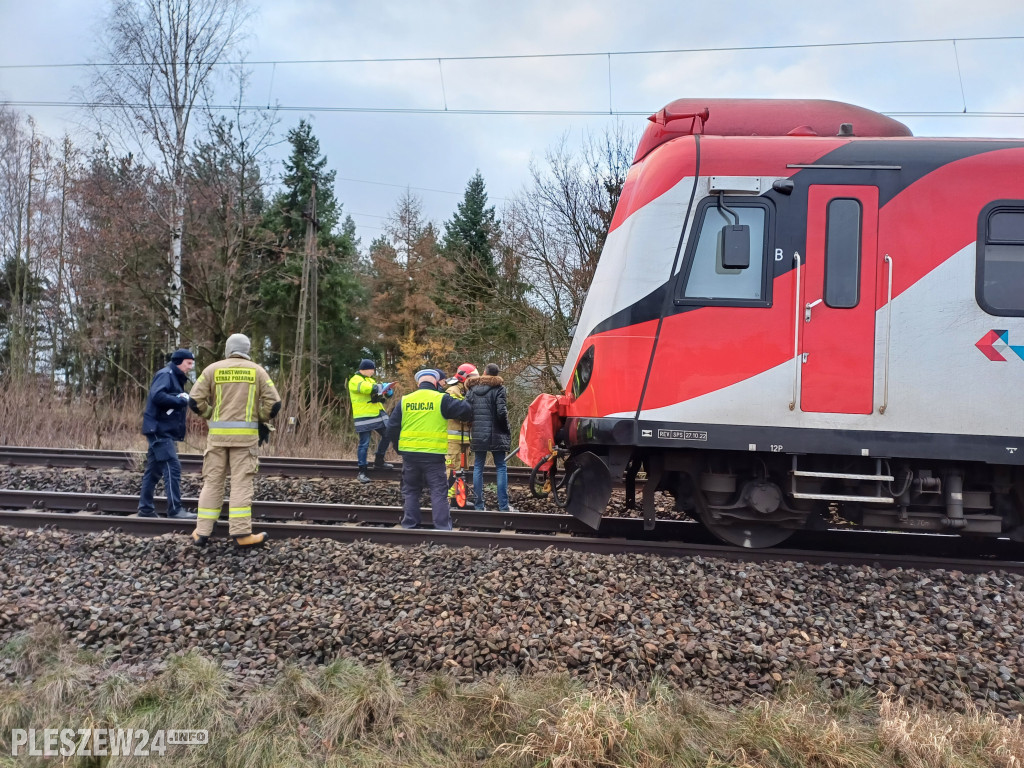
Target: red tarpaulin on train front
x=537 y=435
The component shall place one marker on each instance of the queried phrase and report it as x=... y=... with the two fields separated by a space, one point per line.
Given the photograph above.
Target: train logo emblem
x=994 y=345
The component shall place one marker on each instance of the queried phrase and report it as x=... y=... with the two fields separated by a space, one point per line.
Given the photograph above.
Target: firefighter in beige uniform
x=235 y=396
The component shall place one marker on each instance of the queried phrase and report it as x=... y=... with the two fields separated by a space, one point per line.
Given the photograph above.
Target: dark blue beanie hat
x=366 y=363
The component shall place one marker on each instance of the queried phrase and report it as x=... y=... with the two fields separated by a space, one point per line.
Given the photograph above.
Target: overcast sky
x=378 y=154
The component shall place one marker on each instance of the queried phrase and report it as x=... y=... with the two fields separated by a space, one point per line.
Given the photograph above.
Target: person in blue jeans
x=163 y=424
x=368 y=396
x=491 y=432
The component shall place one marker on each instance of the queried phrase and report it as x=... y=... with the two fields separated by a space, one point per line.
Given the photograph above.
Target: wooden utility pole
x=300 y=335
x=312 y=226
x=308 y=301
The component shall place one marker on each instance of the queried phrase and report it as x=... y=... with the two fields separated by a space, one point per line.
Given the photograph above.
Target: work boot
x=379 y=463
x=147 y=513
x=362 y=477
x=251 y=540
x=200 y=541
x=181 y=514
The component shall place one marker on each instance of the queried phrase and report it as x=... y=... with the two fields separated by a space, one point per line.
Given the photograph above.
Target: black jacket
x=490 y=414
x=165 y=411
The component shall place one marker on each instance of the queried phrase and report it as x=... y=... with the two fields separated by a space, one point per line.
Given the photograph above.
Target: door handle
x=809 y=307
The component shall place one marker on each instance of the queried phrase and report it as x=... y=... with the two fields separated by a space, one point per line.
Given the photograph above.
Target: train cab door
x=837 y=371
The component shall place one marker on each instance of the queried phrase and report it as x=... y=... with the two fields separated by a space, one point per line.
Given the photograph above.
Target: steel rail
x=283 y=466
x=618 y=535
x=558 y=522
x=518 y=541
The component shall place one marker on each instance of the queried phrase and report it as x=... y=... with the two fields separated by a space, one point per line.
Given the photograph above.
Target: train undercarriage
x=760 y=500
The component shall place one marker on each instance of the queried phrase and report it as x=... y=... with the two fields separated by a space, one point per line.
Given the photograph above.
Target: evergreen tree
x=340 y=290
x=20 y=291
x=476 y=318
x=225 y=240
x=473 y=227
x=304 y=167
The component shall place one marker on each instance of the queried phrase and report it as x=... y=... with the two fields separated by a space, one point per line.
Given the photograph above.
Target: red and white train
x=804 y=311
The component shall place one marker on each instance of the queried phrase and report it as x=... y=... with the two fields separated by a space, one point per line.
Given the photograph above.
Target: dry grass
x=602 y=729
x=31 y=415
x=974 y=739
x=348 y=715
x=35 y=415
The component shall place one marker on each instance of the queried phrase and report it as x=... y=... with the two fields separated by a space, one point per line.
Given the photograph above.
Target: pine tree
x=477 y=320
x=340 y=289
x=304 y=167
x=473 y=227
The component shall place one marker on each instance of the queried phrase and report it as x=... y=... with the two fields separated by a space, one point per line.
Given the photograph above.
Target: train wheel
x=745 y=533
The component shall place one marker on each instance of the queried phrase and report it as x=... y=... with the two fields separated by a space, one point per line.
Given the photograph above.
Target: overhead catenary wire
x=443 y=111
x=445 y=108
x=515 y=56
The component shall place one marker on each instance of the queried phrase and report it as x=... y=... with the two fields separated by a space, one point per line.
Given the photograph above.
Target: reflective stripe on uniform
x=234 y=428
x=218 y=396
x=234 y=512
x=209 y=514
x=249 y=402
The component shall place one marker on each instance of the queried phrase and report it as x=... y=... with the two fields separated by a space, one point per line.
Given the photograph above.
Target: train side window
x=842 y=253
x=584 y=370
x=999 y=280
x=705 y=280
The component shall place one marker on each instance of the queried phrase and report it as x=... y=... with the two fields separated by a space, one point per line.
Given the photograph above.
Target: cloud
x=442 y=151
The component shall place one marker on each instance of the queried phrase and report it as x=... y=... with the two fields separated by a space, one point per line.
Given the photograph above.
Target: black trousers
x=419 y=469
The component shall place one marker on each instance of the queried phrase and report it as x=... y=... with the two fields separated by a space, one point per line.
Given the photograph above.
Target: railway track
x=519 y=530
x=282 y=466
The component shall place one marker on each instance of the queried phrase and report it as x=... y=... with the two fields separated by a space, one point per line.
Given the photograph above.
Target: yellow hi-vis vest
x=424 y=429
x=360 y=388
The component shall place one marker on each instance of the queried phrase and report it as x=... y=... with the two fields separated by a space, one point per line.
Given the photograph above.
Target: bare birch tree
x=556 y=230
x=227 y=179
x=159 y=58
x=28 y=229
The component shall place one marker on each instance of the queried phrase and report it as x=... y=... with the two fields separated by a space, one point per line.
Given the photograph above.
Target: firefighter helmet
x=465 y=371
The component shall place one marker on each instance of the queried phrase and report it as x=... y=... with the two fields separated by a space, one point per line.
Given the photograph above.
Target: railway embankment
x=729 y=632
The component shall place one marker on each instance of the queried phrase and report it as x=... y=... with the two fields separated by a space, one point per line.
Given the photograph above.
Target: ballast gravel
x=729 y=631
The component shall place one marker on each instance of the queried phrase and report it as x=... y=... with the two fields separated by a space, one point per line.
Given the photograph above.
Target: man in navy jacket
x=163 y=423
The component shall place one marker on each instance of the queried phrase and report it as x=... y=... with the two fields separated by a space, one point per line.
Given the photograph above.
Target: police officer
x=237 y=397
x=419 y=427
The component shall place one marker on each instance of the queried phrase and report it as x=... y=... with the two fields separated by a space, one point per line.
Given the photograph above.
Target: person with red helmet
x=457 y=457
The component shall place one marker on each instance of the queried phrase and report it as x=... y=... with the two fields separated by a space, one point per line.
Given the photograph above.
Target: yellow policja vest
x=424 y=429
